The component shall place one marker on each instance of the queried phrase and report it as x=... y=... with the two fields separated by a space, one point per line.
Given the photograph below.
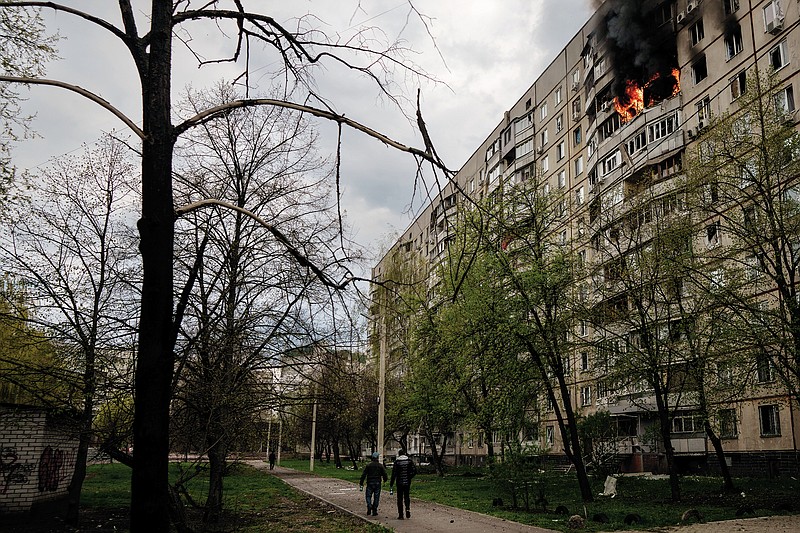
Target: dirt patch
x=768 y=524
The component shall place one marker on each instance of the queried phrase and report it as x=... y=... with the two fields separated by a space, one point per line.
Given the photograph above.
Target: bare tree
x=250 y=303
x=298 y=48
x=71 y=243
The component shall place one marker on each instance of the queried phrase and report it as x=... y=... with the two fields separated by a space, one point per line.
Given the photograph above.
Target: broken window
x=696 y=32
x=770 y=420
x=738 y=85
x=733 y=43
x=699 y=70
x=779 y=56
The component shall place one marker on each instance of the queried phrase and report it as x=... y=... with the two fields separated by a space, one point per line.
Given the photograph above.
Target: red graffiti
x=51 y=469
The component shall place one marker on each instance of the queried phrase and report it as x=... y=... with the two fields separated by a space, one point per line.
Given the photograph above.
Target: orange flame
x=632 y=102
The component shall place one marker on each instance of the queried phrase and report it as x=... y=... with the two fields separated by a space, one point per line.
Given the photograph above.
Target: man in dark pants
x=375 y=474
x=402 y=472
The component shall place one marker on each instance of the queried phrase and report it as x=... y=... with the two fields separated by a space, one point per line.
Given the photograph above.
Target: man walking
x=402 y=472
x=375 y=474
x=271 y=459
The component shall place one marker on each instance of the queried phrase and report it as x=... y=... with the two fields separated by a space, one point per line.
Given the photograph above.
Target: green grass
x=650 y=498
x=254 y=502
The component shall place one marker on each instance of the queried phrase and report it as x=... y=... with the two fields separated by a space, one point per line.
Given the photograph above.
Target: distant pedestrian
x=375 y=474
x=403 y=472
x=271 y=459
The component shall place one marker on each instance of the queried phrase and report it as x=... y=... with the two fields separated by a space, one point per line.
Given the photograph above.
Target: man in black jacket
x=375 y=474
x=402 y=472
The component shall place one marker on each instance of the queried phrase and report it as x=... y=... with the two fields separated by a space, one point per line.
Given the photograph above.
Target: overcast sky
x=489 y=53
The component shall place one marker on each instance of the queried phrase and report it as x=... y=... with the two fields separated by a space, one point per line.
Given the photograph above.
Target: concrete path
x=435 y=518
x=425 y=516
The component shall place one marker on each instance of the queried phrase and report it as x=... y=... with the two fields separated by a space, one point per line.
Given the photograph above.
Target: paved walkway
x=425 y=516
x=433 y=517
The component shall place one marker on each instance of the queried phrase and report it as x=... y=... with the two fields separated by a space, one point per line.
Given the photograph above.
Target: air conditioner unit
x=690 y=7
x=540 y=150
x=605 y=105
x=700 y=125
x=691 y=133
x=681 y=18
x=774 y=26
x=575 y=85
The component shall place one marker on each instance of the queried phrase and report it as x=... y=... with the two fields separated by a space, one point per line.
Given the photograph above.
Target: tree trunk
x=669 y=452
x=216 y=475
x=154 y=364
x=727 y=481
x=437 y=457
x=79 y=474
x=571 y=432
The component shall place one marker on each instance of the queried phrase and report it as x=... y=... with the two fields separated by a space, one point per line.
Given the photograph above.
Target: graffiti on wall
x=53 y=468
x=12 y=471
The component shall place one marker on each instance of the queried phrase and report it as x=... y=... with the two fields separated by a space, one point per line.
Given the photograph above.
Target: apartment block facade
x=625 y=100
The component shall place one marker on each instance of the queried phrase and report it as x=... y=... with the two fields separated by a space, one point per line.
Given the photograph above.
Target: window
x=561 y=209
x=560 y=122
x=733 y=43
x=543 y=111
x=579 y=165
x=527 y=104
x=584 y=361
x=765 y=370
x=579 y=197
x=543 y=137
x=560 y=151
x=696 y=32
x=724 y=374
x=703 y=111
x=730 y=6
x=576 y=108
x=699 y=70
x=550 y=435
x=784 y=101
x=559 y=95
x=525 y=148
x=562 y=179
x=773 y=16
x=472 y=185
x=522 y=125
x=712 y=234
x=546 y=164
x=738 y=85
x=583 y=327
x=586 y=396
x=576 y=77
x=770 y=420
x=600 y=68
x=576 y=136
x=638 y=142
x=610 y=163
x=779 y=56
x=727 y=423
x=562 y=238
x=686 y=424
x=753 y=268
x=662 y=128
x=663 y=13
x=494 y=173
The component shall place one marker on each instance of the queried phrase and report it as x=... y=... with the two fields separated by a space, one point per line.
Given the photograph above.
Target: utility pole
x=381 y=387
x=313 y=434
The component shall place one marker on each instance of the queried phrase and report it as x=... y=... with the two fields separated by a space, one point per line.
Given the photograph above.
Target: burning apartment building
x=607 y=129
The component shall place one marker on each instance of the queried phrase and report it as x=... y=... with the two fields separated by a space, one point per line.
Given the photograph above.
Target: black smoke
x=639 y=46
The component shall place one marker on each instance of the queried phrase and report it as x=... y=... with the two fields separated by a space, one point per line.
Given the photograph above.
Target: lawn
x=473 y=489
x=254 y=502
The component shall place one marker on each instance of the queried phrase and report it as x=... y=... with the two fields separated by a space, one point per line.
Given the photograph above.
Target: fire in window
x=699 y=70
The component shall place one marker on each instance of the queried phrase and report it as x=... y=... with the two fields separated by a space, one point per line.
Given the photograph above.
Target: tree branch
x=83 y=92
x=221 y=110
x=293 y=251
